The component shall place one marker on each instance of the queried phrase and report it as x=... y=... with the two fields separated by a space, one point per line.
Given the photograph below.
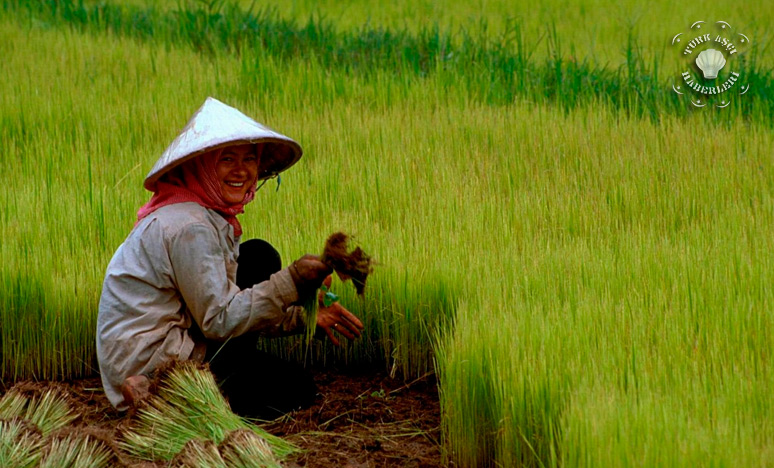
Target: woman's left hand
x=336 y=317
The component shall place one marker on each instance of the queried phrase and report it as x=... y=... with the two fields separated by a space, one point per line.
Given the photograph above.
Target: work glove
x=308 y=273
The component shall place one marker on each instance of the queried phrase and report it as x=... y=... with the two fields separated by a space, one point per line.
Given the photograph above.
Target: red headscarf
x=196 y=181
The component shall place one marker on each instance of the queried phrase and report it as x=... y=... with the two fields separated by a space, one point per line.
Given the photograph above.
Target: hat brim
x=277 y=156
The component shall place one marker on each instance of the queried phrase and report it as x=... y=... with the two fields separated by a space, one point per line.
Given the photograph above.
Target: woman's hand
x=308 y=273
x=336 y=317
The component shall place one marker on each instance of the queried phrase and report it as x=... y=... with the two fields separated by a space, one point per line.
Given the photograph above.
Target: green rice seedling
x=12 y=405
x=75 y=451
x=245 y=449
x=189 y=406
x=50 y=411
x=601 y=282
x=353 y=265
x=594 y=33
x=47 y=411
x=20 y=444
x=197 y=453
x=634 y=87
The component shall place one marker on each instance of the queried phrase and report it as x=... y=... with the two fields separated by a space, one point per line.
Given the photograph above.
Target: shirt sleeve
x=217 y=304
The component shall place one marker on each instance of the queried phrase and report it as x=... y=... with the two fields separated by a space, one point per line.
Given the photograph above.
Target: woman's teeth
x=235 y=184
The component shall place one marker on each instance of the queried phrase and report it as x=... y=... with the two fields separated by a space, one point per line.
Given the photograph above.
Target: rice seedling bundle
x=189 y=406
x=198 y=453
x=245 y=449
x=31 y=433
x=76 y=451
x=242 y=448
x=47 y=412
x=20 y=445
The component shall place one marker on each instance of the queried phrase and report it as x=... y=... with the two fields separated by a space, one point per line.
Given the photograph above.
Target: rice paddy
x=587 y=272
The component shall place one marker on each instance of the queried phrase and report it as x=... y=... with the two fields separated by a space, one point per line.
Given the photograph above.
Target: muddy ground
x=361 y=419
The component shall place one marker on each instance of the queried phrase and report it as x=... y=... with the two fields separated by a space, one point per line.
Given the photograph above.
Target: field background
x=592 y=286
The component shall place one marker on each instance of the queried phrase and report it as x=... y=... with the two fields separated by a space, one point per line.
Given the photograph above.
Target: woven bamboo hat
x=216 y=125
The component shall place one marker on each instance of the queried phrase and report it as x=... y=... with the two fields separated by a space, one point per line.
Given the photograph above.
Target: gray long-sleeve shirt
x=178 y=266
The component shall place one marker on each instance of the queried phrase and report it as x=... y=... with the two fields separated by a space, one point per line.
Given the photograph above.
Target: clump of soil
x=355 y=264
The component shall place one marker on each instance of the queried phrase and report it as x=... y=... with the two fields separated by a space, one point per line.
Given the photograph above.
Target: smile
x=235 y=184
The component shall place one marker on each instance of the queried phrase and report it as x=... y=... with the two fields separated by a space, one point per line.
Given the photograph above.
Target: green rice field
x=583 y=260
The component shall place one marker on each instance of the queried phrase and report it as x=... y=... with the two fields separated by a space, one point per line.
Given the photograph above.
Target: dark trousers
x=257 y=384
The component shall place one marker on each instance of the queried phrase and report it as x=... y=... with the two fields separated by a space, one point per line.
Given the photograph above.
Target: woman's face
x=237 y=170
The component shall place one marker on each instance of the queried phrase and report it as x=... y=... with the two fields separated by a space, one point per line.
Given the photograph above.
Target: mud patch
x=366 y=419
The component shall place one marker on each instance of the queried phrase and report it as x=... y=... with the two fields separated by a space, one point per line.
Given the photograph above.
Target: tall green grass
x=630 y=321
x=494 y=70
x=593 y=30
x=591 y=287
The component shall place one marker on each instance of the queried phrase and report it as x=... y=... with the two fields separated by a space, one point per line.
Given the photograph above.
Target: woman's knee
x=257 y=261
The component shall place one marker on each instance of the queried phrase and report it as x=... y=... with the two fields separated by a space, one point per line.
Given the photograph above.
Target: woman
x=182 y=287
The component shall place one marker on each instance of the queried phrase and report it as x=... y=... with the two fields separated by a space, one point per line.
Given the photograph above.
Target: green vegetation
x=188 y=416
x=46 y=412
x=19 y=447
x=593 y=30
x=77 y=452
x=28 y=423
x=592 y=286
x=493 y=70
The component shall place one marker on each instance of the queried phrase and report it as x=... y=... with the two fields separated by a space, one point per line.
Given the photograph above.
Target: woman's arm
x=216 y=304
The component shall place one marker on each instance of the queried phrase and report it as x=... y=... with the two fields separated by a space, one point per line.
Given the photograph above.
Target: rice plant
x=50 y=411
x=12 y=405
x=19 y=444
x=242 y=448
x=28 y=422
x=46 y=412
x=592 y=287
x=495 y=71
x=199 y=453
x=76 y=451
x=189 y=406
x=245 y=449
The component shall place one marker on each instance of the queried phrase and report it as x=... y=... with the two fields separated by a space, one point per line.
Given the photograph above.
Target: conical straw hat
x=216 y=125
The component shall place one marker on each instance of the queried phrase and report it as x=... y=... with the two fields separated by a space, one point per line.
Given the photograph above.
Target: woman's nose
x=241 y=168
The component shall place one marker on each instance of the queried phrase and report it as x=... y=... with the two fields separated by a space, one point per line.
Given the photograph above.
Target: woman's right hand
x=336 y=317
x=308 y=273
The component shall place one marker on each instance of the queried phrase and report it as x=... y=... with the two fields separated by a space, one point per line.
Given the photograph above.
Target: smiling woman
x=176 y=289
x=237 y=171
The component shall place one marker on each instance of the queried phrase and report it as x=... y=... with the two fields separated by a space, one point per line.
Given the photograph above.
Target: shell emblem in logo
x=710 y=62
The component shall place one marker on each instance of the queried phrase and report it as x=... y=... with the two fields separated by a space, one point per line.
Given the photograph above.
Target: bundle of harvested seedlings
x=242 y=448
x=245 y=449
x=33 y=433
x=354 y=264
x=47 y=409
x=13 y=404
x=189 y=406
x=20 y=444
x=197 y=453
x=76 y=449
